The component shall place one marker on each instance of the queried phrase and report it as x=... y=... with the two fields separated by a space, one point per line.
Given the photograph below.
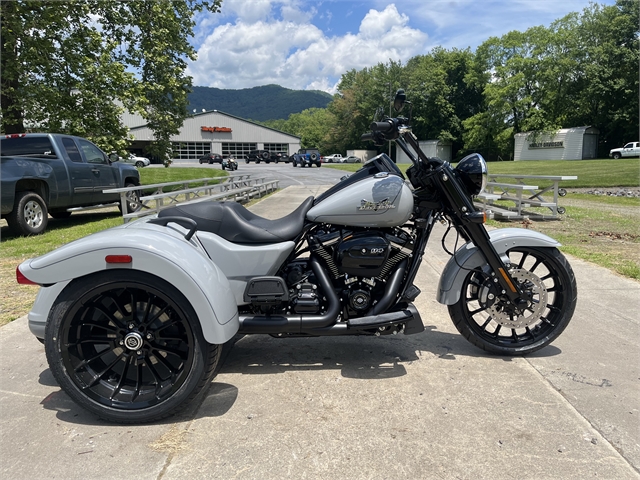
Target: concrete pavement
x=422 y=406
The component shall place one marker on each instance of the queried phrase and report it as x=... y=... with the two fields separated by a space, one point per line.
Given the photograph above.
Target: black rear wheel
x=486 y=318
x=128 y=346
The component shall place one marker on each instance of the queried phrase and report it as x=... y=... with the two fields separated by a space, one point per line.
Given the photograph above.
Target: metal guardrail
x=523 y=196
x=240 y=187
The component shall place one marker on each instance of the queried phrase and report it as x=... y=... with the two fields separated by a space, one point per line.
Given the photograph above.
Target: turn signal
x=118 y=259
x=21 y=279
x=476 y=217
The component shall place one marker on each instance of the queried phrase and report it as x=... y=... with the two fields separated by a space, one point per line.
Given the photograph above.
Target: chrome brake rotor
x=536 y=304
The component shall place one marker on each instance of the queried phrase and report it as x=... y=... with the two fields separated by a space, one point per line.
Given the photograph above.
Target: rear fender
x=469 y=257
x=156 y=250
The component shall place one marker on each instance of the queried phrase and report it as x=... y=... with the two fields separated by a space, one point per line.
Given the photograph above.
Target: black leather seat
x=235 y=223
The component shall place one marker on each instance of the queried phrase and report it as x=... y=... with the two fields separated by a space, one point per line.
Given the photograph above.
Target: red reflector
x=118 y=259
x=21 y=279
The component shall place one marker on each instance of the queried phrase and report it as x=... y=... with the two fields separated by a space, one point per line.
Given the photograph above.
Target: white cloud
x=292 y=52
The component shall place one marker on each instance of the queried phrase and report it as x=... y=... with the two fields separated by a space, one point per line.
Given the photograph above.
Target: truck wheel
x=133 y=200
x=617 y=155
x=318 y=164
x=128 y=346
x=293 y=163
x=29 y=216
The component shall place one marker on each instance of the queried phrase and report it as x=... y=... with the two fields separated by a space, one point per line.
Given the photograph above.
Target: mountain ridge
x=267 y=102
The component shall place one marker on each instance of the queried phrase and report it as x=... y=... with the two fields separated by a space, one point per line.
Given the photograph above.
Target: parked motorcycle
x=229 y=163
x=133 y=318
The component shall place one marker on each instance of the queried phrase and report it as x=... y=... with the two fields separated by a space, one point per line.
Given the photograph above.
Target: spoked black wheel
x=128 y=347
x=486 y=318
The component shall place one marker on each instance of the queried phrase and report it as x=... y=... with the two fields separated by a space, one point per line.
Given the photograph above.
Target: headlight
x=472 y=171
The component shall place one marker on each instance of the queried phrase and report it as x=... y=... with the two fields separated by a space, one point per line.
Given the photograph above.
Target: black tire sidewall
x=16 y=220
x=200 y=371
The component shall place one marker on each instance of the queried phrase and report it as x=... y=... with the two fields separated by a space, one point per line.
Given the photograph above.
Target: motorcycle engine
x=360 y=262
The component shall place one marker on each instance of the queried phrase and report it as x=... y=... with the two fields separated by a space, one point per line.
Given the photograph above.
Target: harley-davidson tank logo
x=375 y=206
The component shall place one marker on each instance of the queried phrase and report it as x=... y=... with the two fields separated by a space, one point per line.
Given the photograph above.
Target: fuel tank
x=381 y=200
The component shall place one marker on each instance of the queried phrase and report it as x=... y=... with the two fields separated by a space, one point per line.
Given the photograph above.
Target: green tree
x=441 y=95
x=73 y=67
x=582 y=70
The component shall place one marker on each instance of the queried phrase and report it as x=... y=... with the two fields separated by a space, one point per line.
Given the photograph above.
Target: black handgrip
x=182 y=221
x=382 y=126
x=365 y=137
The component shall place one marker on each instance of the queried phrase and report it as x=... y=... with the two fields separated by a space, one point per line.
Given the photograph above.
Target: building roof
x=130 y=119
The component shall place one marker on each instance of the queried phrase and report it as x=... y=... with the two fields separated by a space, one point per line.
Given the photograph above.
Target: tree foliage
x=73 y=67
x=581 y=70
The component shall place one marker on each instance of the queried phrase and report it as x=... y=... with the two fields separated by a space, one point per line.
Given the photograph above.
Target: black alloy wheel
x=127 y=346
x=486 y=318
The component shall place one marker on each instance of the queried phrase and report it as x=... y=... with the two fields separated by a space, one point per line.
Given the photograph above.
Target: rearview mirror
x=399 y=101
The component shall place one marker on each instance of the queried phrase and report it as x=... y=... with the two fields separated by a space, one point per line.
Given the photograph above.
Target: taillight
x=118 y=259
x=21 y=279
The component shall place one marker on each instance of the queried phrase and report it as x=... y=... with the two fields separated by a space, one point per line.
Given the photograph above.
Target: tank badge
x=375 y=206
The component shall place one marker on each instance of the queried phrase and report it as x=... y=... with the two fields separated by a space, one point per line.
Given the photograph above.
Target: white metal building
x=577 y=143
x=214 y=132
x=432 y=148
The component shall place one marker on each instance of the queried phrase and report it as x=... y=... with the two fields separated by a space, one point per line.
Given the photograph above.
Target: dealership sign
x=216 y=129
x=546 y=145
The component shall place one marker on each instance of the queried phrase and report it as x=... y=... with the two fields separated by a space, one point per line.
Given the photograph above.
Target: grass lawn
x=603 y=230
x=590 y=173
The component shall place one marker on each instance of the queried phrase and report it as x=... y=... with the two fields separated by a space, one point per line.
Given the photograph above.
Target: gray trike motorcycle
x=133 y=318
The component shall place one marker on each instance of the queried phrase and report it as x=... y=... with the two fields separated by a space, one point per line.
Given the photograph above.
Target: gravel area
x=611 y=192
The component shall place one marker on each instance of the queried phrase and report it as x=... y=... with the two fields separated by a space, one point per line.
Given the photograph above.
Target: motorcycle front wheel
x=128 y=347
x=484 y=316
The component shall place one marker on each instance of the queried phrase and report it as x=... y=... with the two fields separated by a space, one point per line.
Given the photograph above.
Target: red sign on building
x=216 y=129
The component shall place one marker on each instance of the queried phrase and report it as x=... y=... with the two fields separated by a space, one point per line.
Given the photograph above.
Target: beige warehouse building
x=213 y=132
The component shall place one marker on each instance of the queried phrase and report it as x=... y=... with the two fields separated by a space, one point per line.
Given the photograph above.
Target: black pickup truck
x=46 y=174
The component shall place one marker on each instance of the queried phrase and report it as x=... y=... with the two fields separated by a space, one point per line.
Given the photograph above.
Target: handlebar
x=384 y=127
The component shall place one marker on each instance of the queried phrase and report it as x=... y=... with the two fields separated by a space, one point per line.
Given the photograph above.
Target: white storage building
x=213 y=132
x=577 y=143
x=432 y=148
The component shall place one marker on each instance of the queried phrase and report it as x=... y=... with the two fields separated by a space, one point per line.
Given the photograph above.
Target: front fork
x=466 y=217
x=471 y=221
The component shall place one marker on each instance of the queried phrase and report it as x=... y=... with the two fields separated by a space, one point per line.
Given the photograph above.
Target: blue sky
x=304 y=44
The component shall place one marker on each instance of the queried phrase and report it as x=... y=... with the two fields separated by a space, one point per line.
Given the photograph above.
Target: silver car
x=137 y=161
x=351 y=159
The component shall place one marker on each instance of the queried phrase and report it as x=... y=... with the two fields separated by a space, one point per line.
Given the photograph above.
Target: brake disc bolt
x=149 y=336
x=121 y=342
x=131 y=326
x=503 y=292
x=139 y=352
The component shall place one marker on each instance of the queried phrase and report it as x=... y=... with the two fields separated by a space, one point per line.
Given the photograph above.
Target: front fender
x=159 y=251
x=469 y=257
